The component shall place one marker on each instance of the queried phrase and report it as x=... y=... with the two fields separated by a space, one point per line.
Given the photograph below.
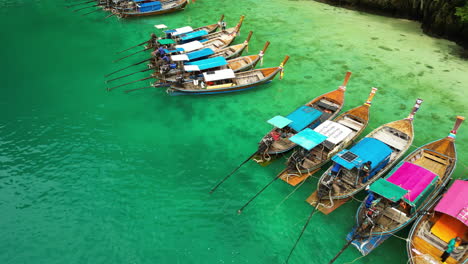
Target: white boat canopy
x=160 y=26
x=334 y=132
x=219 y=75
x=191 y=46
x=182 y=30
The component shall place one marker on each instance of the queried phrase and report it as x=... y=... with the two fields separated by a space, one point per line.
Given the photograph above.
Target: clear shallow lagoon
x=88 y=176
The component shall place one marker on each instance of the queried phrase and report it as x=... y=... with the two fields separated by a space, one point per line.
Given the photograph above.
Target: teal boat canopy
x=205 y=64
x=303 y=117
x=193 y=35
x=279 y=121
x=368 y=149
x=166 y=41
x=308 y=138
x=200 y=54
x=388 y=190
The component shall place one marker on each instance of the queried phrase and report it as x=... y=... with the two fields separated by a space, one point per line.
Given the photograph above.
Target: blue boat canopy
x=173 y=51
x=137 y=1
x=205 y=64
x=279 y=121
x=193 y=35
x=150 y=6
x=368 y=149
x=308 y=138
x=194 y=55
x=303 y=117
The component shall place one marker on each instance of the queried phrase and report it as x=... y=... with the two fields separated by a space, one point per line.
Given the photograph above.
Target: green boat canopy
x=388 y=190
x=166 y=41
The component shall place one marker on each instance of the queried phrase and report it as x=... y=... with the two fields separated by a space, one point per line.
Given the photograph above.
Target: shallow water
x=88 y=176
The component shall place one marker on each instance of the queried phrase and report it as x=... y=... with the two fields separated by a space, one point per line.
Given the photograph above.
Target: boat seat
x=390 y=139
x=351 y=123
x=395 y=214
x=328 y=105
x=435 y=158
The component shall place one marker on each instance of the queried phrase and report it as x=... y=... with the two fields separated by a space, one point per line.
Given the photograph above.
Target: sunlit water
x=88 y=176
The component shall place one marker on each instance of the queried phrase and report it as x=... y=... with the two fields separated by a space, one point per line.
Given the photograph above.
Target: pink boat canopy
x=455 y=201
x=414 y=179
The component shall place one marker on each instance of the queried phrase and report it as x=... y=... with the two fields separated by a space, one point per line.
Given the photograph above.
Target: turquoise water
x=88 y=176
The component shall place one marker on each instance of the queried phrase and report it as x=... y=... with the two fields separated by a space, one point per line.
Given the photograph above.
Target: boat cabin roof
x=408 y=181
x=455 y=201
x=205 y=64
x=302 y=117
x=193 y=55
x=368 y=149
x=219 y=75
x=308 y=138
x=191 y=46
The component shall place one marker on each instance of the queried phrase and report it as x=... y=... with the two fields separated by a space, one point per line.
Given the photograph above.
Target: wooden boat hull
x=178 y=7
x=444 y=147
x=420 y=251
x=336 y=95
x=238 y=88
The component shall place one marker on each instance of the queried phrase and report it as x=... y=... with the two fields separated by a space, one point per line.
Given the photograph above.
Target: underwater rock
x=437 y=18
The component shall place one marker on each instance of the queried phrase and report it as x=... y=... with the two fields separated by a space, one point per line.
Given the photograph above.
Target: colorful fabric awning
x=455 y=201
x=413 y=178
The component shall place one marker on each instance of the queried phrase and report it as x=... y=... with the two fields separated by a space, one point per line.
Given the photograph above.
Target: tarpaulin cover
x=455 y=201
x=137 y=1
x=279 y=121
x=194 y=35
x=414 y=179
x=205 y=64
x=303 y=117
x=166 y=41
x=368 y=149
x=388 y=190
x=151 y=6
x=334 y=131
x=308 y=138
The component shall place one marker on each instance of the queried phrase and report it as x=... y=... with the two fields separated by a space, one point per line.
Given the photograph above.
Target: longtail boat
x=318 y=146
x=187 y=34
x=446 y=219
x=169 y=33
x=310 y=115
x=364 y=163
x=175 y=60
x=137 y=8
x=227 y=81
x=405 y=193
x=192 y=69
x=218 y=42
